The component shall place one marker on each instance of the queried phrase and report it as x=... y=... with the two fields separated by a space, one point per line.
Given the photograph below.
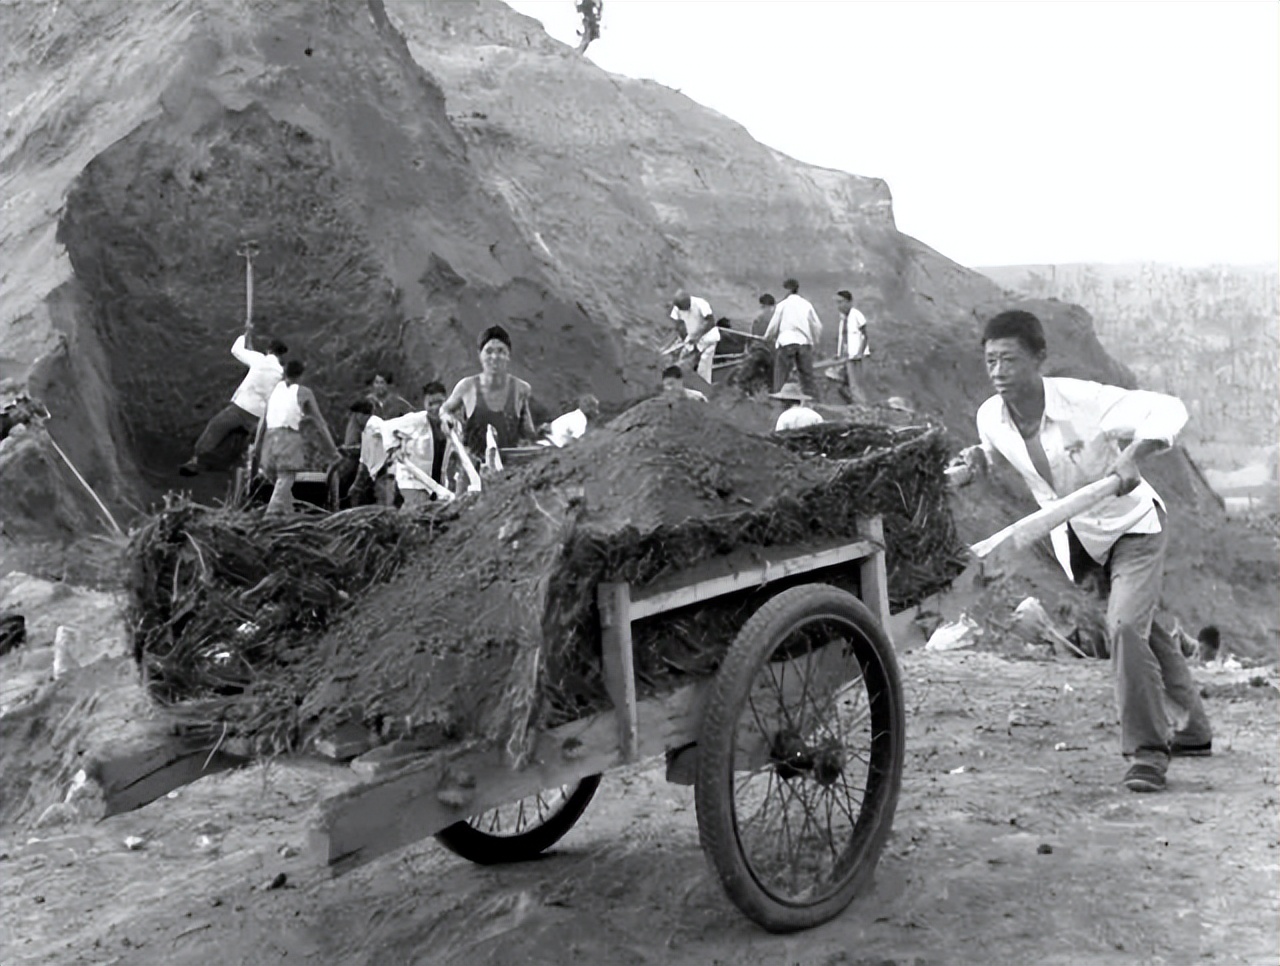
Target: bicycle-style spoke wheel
x=521 y=830
x=800 y=757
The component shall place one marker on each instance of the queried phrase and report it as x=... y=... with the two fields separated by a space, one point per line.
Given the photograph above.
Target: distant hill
x=1206 y=334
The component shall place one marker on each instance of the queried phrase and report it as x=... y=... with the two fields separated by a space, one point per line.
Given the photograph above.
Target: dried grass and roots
x=479 y=620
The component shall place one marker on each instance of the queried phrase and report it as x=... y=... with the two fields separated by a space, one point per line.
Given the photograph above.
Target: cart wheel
x=798 y=774
x=522 y=830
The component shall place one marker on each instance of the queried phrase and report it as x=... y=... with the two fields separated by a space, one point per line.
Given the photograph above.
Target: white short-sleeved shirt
x=565 y=429
x=699 y=309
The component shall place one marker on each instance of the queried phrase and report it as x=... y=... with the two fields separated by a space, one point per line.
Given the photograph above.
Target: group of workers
x=1058 y=434
x=391 y=451
x=785 y=335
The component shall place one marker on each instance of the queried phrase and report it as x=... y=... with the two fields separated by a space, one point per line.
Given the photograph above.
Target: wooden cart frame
x=390 y=803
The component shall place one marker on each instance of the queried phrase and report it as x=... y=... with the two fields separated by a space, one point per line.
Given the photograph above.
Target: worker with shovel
x=1062 y=435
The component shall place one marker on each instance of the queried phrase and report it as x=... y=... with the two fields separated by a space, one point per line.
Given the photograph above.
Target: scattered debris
x=1034 y=625
x=64 y=643
x=954 y=635
x=1020 y=717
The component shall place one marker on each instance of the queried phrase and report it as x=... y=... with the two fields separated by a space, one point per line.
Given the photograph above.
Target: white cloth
x=795 y=322
x=797 y=417
x=283 y=411
x=411 y=436
x=852 y=341
x=565 y=429
x=265 y=373
x=1083 y=429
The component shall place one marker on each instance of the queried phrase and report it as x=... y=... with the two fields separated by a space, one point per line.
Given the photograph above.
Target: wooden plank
x=873 y=579
x=1031 y=528
x=614 y=601
x=368 y=820
x=742 y=570
x=124 y=791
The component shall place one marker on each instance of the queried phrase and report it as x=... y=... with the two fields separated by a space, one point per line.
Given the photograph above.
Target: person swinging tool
x=249 y=401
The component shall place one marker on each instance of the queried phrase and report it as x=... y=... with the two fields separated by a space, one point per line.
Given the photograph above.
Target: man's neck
x=1027 y=408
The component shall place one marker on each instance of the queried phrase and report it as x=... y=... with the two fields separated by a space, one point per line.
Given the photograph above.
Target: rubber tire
x=717 y=821
x=466 y=840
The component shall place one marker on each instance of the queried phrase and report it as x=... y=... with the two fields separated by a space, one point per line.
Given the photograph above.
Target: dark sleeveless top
x=505 y=422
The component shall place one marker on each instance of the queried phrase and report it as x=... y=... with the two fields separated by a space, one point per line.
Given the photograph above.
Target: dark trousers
x=1150 y=672
x=799 y=357
x=230 y=418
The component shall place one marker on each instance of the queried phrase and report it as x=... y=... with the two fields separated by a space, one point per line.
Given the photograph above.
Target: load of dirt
x=489 y=626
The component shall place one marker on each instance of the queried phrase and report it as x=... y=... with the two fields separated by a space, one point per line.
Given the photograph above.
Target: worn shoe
x=1144 y=777
x=190 y=468
x=1202 y=750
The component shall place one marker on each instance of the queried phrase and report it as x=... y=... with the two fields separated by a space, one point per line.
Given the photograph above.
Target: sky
x=1009 y=132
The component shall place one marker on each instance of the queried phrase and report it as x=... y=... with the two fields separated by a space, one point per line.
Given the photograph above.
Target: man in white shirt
x=1061 y=434
x=572 y=425
x=798 y=330
x=697 y=326
x=851 y=345
x=249 y=401
x=797 y=415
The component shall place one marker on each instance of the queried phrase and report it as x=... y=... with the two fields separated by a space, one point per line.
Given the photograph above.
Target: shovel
x=1036 y=525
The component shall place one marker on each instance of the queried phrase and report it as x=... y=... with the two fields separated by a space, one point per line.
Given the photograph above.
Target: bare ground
x=1005 y=850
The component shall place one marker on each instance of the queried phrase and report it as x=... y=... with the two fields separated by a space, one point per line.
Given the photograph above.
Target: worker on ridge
x=797 y=415
x=696 y=325
x=852 y=347
x=572 y=425
x=797 y=330
x=249 y=401
x=414 y=440
x=494 y=398
x=673 y=385
x=1062 y=434
x=383 y=401
x=279 y=449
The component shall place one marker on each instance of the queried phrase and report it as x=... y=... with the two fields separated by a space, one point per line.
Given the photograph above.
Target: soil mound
x=489 y=625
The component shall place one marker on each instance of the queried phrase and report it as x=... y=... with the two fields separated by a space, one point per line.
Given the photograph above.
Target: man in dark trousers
x=1060 y=435
x=797 y=330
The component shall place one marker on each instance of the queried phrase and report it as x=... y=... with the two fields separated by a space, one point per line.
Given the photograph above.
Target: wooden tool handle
x=1031 y=528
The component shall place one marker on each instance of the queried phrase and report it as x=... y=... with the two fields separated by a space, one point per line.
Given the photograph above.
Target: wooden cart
x=794 y=746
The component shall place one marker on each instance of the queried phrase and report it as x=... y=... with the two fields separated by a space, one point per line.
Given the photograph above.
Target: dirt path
x=1005 y=850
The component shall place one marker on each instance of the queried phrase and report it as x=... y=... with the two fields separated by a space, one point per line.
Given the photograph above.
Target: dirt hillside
x=411 y=172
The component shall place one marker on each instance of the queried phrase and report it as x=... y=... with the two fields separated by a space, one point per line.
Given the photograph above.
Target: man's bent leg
x=1137 y=572
x=1181 y=689
x=281 y=501
x=226 y=421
